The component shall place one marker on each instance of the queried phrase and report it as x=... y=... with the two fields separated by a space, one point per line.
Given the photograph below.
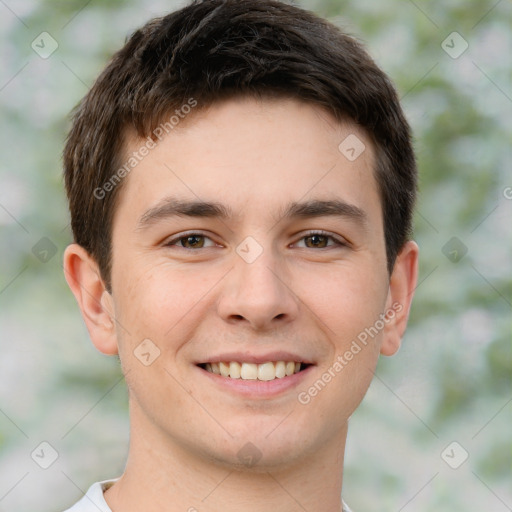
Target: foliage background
x=451 y=381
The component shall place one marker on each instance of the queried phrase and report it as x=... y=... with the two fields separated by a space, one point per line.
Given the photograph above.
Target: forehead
x=253 y=153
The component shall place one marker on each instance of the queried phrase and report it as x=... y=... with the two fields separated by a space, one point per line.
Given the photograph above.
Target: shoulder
x=93 y=500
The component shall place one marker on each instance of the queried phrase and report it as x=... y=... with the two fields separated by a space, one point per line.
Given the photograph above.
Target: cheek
x=347 y=301
x=161 y=299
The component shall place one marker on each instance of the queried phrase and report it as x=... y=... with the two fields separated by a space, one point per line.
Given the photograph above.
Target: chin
x=264 y=447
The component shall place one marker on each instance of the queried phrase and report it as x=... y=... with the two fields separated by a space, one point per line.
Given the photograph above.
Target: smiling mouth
x=249 y=371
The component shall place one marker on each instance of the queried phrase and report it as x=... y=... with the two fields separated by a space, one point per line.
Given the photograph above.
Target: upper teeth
x=251 y=371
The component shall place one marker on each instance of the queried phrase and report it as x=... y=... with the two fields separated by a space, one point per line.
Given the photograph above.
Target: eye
x=319 y=239
x=314 y=239
x=189 y=241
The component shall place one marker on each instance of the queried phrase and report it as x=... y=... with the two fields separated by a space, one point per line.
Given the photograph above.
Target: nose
x=259 y=293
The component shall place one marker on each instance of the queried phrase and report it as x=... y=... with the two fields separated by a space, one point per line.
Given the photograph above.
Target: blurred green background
x=451 y=380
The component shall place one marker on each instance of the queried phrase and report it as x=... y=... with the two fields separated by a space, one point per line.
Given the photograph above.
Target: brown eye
x=320 y=240
x=189 y=241
x=317 y=240
x=192 y=241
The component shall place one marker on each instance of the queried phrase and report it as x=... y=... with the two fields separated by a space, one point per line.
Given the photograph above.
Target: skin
x=312 y=299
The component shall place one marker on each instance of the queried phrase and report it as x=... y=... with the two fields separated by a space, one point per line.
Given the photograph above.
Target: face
x=282 y=272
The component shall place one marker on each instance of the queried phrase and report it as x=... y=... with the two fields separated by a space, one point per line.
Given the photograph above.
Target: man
x=241 y=184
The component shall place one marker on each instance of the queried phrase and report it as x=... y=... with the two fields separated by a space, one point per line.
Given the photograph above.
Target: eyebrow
x=174 y=207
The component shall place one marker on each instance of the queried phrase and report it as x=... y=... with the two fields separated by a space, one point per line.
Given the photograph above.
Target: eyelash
x=337 y=241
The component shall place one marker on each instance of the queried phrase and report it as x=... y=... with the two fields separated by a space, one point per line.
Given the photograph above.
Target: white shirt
x=93 y=500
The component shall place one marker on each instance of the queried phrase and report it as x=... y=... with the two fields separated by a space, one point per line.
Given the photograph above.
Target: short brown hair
x=216 y=49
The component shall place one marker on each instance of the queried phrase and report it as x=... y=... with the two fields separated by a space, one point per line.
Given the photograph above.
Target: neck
x=164 y=475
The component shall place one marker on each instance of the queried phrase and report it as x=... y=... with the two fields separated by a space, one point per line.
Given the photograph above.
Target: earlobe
x=401 y=290
x=96 y=305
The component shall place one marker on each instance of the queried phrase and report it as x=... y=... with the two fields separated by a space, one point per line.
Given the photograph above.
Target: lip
x=248 y=357
x=257 y=389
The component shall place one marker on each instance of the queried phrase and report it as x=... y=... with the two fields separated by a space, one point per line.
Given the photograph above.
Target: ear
x=96 y=304
x=398 y=304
